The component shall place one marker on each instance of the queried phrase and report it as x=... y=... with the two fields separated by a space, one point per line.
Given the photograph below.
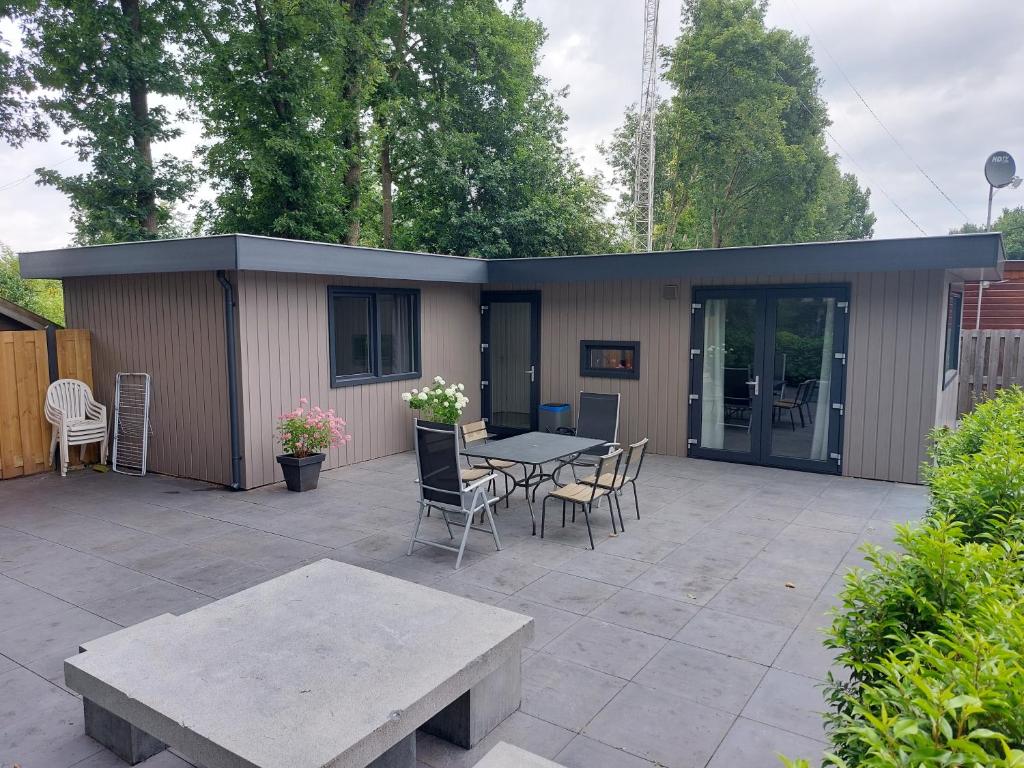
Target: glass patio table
x=533 y=450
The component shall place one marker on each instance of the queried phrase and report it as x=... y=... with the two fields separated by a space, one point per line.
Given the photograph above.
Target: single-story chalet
x=830 y=357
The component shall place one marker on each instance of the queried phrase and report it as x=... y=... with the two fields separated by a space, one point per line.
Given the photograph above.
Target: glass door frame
x=533 y=298
x=764 y=365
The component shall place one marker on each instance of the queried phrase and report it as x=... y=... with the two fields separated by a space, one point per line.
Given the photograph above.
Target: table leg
x=402 y=755
x=526 y=488
x=118 y=735
x=482 y=708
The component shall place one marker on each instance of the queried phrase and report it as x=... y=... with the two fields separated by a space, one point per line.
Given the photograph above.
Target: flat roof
x=970 y=256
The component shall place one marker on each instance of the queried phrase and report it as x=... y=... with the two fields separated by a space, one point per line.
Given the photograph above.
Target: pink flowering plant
x=306 y=430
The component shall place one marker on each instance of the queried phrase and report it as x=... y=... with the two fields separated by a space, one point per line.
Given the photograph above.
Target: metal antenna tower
x=643 y=183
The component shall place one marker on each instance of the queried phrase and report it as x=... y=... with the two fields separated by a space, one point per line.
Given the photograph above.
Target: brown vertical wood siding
x=170 y=326
x=893 y=380
x=283 y=352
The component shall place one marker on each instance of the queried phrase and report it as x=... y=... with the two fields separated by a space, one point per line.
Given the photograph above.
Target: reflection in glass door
x=510 y=360
x=768 y=374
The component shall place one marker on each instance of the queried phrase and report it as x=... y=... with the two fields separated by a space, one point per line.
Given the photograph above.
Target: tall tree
x=741 y=151
x=472 y=156
x=101 y=65
x=20 y=120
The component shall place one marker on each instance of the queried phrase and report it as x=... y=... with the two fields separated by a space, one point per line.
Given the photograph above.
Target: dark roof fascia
x=971 y=256
x=265 y=254
x=961 y=254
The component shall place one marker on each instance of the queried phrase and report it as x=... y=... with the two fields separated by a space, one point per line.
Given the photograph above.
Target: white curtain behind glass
x=823 y=407
x=712 y=430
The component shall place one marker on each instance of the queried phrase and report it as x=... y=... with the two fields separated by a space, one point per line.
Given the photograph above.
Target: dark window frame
x=953 y=328
x=586 y=345
x=374 y=375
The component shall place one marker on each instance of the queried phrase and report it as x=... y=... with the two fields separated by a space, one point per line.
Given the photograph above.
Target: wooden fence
x=989 y=360
x=24 y=377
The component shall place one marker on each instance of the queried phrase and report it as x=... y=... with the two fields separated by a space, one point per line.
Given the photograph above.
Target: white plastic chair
x=77 y=419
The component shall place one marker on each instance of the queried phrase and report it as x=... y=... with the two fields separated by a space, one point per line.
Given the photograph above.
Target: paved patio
x=691 y=640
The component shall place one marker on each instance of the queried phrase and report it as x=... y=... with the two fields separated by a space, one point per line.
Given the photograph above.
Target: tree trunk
x=716 y=231
x=387 y=205
x=352 y=138
x=138 y=97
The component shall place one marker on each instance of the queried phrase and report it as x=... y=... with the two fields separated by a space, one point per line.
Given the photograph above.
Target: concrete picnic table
x=328 y=665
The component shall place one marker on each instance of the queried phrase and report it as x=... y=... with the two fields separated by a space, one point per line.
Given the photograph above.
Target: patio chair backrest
x=437 y=460
x=474 y=431
x=69 y=398
x=607 y=472
x=635 y=460
x=599 y=417
x=805 y=390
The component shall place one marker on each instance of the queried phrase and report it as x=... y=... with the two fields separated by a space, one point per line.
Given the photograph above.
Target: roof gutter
x=229 y=331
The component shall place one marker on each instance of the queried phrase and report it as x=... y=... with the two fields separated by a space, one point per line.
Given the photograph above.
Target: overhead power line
x=874 y=114
x=853 y=160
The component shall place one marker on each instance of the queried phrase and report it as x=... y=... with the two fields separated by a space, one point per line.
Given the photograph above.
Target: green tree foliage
x=19 y=119
x=472 y=139
x=267 y=78
x=44 y=297
x=100 y=66
x=741 y=152
x=1010 y=223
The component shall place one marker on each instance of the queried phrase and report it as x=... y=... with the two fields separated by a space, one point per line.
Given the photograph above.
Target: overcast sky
x=943 y=75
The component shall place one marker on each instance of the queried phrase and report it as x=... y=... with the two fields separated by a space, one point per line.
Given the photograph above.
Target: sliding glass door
x=767 y=375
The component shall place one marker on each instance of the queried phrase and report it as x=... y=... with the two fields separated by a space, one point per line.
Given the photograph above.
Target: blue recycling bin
x=555 y=415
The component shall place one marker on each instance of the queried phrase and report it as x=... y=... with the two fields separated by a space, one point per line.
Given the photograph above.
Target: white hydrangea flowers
x=439 y=401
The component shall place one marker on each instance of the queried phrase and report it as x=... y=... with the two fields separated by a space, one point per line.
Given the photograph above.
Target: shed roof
x=23 y=316
x=970 y=256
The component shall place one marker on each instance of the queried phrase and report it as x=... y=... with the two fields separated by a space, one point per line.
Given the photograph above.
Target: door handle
x=532 y=370
x=756 y=384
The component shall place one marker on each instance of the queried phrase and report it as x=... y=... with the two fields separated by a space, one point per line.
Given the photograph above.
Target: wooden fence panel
x=24 y=377
x=74 y=355
x=989 y=361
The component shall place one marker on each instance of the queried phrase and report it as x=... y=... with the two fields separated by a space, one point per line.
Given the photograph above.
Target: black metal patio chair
x=598 y=419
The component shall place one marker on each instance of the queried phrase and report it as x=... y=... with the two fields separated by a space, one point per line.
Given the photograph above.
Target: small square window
x=375 y=335
x=610 y=359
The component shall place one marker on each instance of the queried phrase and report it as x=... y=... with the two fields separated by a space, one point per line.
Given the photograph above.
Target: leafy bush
x=933 y=635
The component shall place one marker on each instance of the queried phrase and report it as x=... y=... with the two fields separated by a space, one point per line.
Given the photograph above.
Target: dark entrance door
x=510 y=360
x=767 y=379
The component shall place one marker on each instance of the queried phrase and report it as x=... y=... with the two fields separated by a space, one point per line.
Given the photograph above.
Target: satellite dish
x=1000 y=169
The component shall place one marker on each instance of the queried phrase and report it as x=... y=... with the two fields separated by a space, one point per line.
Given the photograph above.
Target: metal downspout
x=229 y=330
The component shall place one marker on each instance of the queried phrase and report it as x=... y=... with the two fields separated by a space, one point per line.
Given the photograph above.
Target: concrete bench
x=505 y=755
x=327 y=665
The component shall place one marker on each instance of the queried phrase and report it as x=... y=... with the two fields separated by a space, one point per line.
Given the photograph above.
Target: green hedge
x=933 y=635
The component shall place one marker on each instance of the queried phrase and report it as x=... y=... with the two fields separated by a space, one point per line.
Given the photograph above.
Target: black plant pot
x=301 y=474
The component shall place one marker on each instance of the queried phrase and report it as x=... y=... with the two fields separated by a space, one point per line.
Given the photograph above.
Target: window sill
x=356 y=381
x=609 y=374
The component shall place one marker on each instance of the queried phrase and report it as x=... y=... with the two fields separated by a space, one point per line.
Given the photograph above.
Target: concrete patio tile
x=806 y=579
x=805 y=652
x=22 y=605
x=154 y=599
x=756 y=745
x=18 y=548
x=767 y=602
x=40 y=723
x=565 y=693
x=732 y=635
x=381 y=546
x=471 y=591
x=660 y=727
x=605 y=647
x=524 y=731
x=832 y=521
x=548 y=622
x=818 y=547
x=185 y=526
x=6 y=664
x=217 y=576
x=707 y=677
x=617 y=571
x=501 y=574
x=569 y=593
x=266 y=549
x=75 y=576
x=584 y=752
x=53 y=639
x=720 y=554
x=645 y=612
x=649 y=549
x=687 y=586
x=792 y=702
x=749 y=522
